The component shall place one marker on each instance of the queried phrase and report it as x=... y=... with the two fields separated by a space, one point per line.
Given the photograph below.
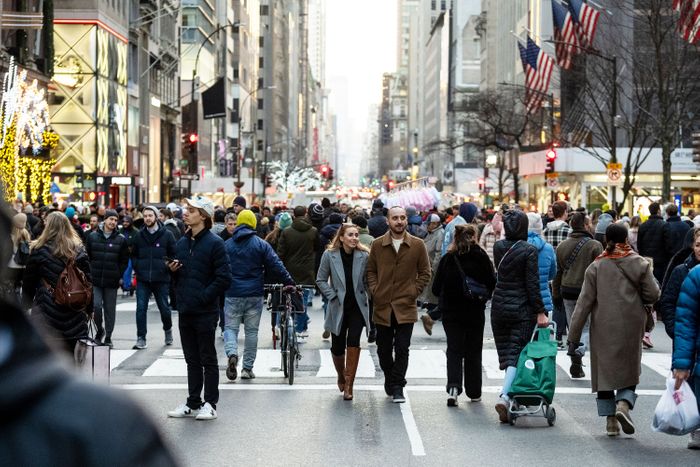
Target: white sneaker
x=182 y=412
x=694 y=442
x=207 y=412
x=301 y=339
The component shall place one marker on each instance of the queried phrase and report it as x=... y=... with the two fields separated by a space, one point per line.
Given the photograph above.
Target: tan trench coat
x=396 y=280
x=617 y=319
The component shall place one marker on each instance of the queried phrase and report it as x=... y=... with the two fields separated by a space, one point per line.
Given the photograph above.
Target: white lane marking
x=172 y=363
x=117 y=357
x=126 y=306
x=489 y=361
x=427 y=364
x=564 y=362
x=358 y=387
x=659 y=362
x=412 y=429
x=365 y=367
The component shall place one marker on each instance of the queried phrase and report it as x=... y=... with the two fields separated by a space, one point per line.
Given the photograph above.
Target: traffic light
x=696 y=147
x=551 y=157
x=390 y=185
x=482 y=184
x=192 y=140
x=324 y=171
x=79 y=174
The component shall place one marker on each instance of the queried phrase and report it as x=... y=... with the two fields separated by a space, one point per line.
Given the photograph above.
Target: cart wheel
x=551 y=416
x=511 y=418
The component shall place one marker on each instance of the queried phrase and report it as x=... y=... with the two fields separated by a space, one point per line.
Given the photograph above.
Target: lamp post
x=238 y=183
x=613 y=104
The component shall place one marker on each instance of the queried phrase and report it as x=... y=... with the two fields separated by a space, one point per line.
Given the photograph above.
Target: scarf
x=621 y=250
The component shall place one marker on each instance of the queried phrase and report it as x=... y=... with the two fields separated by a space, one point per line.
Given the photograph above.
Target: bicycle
x=288 y=338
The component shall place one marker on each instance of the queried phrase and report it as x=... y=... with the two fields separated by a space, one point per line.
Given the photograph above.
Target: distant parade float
x=26 y=139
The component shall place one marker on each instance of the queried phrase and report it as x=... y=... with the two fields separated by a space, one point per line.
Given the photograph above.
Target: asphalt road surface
x=267 y=422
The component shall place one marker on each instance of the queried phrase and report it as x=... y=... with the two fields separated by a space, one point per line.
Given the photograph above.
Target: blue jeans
x=246 y=310
x=143 y=295
x=570 y=306
x=302 y=320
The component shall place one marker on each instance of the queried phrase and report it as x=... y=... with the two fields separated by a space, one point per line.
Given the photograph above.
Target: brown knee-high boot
x=353 y=357
x=339 y=362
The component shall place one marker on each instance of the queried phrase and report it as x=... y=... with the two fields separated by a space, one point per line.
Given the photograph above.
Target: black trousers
x=396 y=338
x=350 y=332
x=464 y=345
x=198 y=333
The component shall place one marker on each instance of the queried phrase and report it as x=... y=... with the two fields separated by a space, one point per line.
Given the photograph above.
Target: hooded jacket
x=671 y=292
x=296 y=247
x=547 y=263
x=569 y=280
x=651 y=242
x=148 y=253
x=556 y=232
x=205 y=273
x=51 y=418
x=686 y=336
x=377 y=224
x=109 y=258
x=252 y=259
x=517 y=299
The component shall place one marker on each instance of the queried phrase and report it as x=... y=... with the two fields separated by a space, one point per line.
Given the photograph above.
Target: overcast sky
x=360 y=47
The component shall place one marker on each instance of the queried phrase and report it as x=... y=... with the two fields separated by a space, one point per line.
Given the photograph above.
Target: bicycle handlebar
x=272 y=287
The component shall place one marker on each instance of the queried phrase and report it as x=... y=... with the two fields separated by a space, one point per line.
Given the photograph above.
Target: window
x=261 y=82
x=260 y=142
x=260 y=124
x=261 y=62
x=261 y=41
x=261 y=104
x=264 y=10
x=433 y=4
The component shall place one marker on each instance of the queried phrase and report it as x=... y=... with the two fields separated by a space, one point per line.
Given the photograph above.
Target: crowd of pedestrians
x=597 y=275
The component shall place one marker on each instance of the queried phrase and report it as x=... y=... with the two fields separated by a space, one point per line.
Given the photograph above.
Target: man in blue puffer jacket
x=546 y=259
x=251 y=259
x=686 y=340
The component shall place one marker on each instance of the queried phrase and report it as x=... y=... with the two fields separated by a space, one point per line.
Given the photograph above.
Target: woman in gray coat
x=616 y=287
x=341 y=280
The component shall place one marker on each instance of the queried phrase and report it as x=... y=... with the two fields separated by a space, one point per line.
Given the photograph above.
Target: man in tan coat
x=398 y=270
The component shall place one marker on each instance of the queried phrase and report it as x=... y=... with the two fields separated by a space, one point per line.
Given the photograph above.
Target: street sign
x=552 y=183
x=614 y=174
x=189 y=176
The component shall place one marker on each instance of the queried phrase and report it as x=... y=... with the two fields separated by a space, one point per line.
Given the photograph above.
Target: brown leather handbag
x=73 y=289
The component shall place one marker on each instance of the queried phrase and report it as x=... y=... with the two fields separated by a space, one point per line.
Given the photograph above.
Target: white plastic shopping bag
x=677 y=411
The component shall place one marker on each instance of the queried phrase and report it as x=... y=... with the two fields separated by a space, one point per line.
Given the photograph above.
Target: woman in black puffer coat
x=462 y=318
x=517 y=305
x=49 y=254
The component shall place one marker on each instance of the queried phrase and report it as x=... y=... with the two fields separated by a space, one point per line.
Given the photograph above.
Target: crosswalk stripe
x=489 y=361
x=117 y=357
x=365 y=367
x=659 y=362
x=426 y=364
x=564 y=362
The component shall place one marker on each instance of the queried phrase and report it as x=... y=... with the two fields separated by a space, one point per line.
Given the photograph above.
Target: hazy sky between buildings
x=360 y=46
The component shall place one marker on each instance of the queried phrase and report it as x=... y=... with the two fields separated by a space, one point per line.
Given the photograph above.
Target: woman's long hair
x=336 y=245
x=466 y=237
x=59 y=236
x=19 y=229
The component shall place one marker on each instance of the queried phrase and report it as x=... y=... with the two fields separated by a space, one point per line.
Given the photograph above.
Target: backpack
x=73 y=289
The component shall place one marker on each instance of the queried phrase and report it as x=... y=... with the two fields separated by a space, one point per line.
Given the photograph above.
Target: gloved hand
x=572 y=346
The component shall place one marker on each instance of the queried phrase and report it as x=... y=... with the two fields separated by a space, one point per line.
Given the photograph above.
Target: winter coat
x=296 y=248
x=173 y=228
x=568 y=281
x=450 y=232
x=547 y=263
x=415 y=226
x=433 y=244
x=632 y=238
x=617 y=316
x=447 y=283
x=395 y=280
x=252 y=259
x=60 y=322
x=517 y=299
x=671 y=291
x=488 y=239
x=377 y=224
x=148 y=253
x=686 y=336
x=556 y=232
x=129 y=234
x=205 y=273
x=365 y=238
x=331 y=282
x=676 y=230
x=651 y=242
x=327 y=234
x=217 y=227
x=50 y=417
x=109 y=258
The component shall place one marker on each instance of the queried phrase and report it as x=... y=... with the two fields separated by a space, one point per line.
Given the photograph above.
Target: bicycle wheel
x=283 y=346
x=291 y=349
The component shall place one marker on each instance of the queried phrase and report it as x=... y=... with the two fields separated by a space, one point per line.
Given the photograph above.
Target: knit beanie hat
x=240 y=201
x=111 y=213
x=247 y=217
x=315 y=211
x=468 y=211
x=603 y=222
x=284 y=221
x=70 y=212
x=151 y=208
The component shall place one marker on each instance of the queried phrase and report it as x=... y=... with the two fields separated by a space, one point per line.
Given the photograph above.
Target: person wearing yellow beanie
x=247 y=217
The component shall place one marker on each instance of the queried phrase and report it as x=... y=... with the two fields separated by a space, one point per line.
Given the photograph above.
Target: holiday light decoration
x=26 y=138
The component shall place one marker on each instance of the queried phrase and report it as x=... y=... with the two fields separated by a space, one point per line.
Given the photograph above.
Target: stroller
x=533 y=388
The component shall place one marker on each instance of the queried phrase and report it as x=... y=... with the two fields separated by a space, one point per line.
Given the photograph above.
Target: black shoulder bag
x=471 y=288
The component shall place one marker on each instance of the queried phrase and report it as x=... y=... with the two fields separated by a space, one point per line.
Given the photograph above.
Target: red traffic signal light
x=193 y=138
x=324 y=170
x=551 y=155
x=481 y=183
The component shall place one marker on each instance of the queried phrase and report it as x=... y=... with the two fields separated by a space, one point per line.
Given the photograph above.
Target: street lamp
x=238 y=183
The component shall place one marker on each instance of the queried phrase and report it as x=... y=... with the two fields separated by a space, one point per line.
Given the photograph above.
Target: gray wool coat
x=614 y=305
x=331 y=282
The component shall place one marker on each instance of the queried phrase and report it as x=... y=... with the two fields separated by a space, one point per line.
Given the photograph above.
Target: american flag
x=565 y=37
x=538 y=67
x=689 y=21
x=586 y=20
